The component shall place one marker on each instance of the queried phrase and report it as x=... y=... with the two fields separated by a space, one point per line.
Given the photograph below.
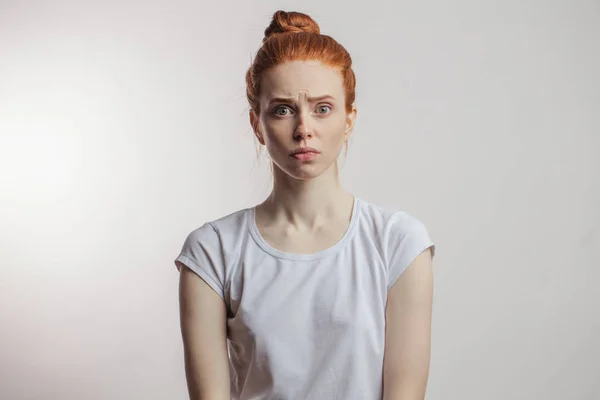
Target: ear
x=254 y=122
x=350 y=120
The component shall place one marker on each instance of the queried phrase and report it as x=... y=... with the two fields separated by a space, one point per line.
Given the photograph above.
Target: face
x=302 y=105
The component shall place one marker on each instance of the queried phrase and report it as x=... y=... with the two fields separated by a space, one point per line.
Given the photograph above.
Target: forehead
x=304 y=78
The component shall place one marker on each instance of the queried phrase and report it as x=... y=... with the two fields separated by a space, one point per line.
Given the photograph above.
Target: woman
x=314 y=293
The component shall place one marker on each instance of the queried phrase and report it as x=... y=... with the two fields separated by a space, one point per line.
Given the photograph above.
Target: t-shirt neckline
x=262 y=243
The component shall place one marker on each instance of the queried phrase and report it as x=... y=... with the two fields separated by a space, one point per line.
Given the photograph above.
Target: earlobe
x=259 y=137
x=252 y=120
x=350 y=121
x=254 y=124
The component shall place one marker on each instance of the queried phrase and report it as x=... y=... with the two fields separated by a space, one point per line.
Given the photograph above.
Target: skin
x=203 y=328
x=408 y=332
x=306 y=212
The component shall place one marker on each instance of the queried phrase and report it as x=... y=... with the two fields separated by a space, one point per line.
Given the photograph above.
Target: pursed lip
x=304 y=150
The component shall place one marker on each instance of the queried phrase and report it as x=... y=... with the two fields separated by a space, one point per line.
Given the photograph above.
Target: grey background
x=123 y=126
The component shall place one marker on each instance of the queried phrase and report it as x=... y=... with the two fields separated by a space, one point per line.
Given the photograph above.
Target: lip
x=305 y=150
x=305 y=155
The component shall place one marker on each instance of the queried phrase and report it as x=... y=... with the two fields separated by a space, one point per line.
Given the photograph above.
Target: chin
x=305 y=176
x=304 y=172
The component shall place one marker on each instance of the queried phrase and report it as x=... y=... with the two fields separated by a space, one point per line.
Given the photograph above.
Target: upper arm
x=203 y=327
x=408 y=331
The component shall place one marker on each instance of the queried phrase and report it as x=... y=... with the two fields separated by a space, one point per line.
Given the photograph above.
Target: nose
x=303 y=129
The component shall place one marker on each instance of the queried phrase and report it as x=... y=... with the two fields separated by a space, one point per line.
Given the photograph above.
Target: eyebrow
x=291 y=99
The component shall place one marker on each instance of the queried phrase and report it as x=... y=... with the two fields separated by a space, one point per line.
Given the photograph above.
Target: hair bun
x=291 y=21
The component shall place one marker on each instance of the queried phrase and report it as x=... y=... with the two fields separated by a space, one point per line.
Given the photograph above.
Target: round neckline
x=264 y=245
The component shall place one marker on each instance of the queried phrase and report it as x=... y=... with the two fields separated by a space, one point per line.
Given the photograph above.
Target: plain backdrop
x=124 y=126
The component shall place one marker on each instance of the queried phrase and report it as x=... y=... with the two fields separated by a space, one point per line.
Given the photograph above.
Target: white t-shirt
x=306 y=326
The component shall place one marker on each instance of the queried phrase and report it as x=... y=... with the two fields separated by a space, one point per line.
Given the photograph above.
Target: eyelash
x=281 y=106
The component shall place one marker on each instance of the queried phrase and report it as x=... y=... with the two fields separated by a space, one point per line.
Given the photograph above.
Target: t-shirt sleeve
x=407 y=238
x=202 y=253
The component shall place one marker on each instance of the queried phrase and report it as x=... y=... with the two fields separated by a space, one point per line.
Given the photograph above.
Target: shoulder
x=402 y=224
x=210 y=249
x=400 y=234
x=390 y=221
x=219 y=229
x=217 y=239
x=204 y=232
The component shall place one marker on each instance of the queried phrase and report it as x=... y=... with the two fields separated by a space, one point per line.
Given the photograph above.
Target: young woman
x=314 y=293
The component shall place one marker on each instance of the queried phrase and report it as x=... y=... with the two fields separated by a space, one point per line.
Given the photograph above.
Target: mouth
x=304 y=150
x=305 y=154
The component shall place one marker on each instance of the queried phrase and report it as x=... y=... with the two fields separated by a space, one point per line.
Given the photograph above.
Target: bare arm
x=408 y=332
x=203 y=330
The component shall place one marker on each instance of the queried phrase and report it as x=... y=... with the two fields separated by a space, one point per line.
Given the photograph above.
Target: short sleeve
x=202 y=253
x=407 y=238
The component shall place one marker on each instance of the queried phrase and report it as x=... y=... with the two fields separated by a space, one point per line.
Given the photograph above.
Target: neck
x=307 y=203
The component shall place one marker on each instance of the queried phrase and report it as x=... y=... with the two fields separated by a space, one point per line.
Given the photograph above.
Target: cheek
x=279 y=132
x=277 y=140
x=335 y=131
x=278 y=126
x=338 y=122
x=273 y=132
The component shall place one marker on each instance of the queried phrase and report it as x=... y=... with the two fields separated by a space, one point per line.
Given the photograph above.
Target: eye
x=324 y=106
x=276 y=110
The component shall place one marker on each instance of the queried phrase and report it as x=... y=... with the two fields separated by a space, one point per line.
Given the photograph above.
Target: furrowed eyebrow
x=291 y=99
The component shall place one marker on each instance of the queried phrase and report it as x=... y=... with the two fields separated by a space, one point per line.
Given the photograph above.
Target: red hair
x=294 y=36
